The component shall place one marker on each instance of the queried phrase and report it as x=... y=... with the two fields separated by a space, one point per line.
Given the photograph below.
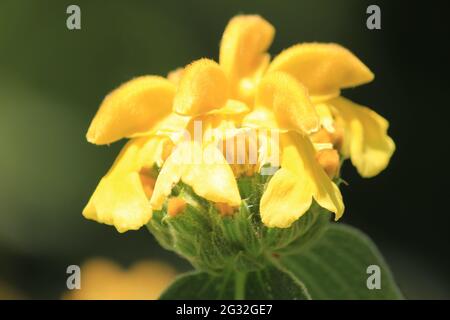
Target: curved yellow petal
x=203 y=87
x=120 y=198
x=213 y=179
x=290 y=192
x=204 y=168
x=299 y=157
x=120 y=201
x=366 y=141
x=170 y=174
x=286 y=199
x=326 y=192
x=135 y=107
x=288 y=102
x=244 y=44
x=243 y=51
x=324 y=68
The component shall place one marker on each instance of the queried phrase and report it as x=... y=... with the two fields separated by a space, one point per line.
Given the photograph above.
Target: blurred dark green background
x=52 y=81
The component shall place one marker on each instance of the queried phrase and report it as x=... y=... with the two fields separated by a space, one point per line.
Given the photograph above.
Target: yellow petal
x=135 y=107
x=213 y=178
x=203 y=87
x=170 y=174
x=287 y=198
x=299 y=157
x=366 y=141
x=288 y=102
x=203 y=168
x=120 y=197
x=324 y=68
x=325 y=191
x=244 y=44
x=243 y=50
x=120 y=200
x=290 y=192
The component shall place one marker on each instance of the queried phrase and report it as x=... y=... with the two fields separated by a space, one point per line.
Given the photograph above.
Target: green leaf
x=268 y=283
x=334 y=266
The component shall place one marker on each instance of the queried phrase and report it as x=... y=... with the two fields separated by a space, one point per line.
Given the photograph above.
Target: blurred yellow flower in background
x=8 y=292
x=102 y=279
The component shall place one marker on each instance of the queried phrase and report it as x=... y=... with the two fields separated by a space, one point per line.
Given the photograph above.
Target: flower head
x=237 y=102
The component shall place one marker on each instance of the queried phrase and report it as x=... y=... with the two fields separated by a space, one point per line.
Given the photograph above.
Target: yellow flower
x=295 y=97
x=104 y=280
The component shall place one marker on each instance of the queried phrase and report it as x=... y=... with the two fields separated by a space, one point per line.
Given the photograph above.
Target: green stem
x=239 y=285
